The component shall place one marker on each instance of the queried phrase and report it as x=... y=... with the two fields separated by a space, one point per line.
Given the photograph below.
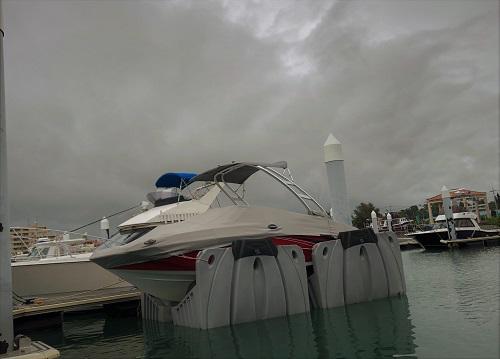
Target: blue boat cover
x=174 y=179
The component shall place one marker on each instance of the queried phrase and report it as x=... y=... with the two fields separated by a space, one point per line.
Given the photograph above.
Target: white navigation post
x=105 y=227
x=448 y=213
x=374 y=222
x=6 y=326
x=334 y=162
x=389 y=222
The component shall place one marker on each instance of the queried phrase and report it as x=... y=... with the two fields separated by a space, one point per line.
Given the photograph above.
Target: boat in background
x=59 y=267
x=45 y=248
x=400 y=224
x=55 y=267
x=466 y=227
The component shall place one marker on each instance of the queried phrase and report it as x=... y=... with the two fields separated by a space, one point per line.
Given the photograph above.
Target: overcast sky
x=102 y=97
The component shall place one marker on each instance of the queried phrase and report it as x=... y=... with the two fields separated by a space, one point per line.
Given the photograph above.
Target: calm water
x=451 y=311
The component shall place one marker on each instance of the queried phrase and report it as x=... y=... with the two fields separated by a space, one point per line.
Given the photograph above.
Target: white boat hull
x=169 y=286
x=38 y=279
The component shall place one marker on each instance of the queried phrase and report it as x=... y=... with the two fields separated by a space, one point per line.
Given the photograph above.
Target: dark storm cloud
x=102 y=97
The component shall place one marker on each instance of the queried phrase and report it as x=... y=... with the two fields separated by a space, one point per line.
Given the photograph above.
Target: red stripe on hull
x=187 y=261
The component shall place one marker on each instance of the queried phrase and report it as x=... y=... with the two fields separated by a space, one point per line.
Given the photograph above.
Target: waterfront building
x=24 y=237
x=463 y=200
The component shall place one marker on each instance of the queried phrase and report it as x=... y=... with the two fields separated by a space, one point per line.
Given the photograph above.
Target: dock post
x=374 y=222
x=6 y=326
x=448 y=213
x=389 y=222
x=105 y=227
x=334 y=162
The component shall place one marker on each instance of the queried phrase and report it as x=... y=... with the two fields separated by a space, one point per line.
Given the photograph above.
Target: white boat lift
x=237 y=284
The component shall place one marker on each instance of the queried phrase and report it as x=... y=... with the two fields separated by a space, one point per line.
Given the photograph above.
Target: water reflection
x=94 y=335
x=458 y=293
x=474 y=285
x=454 y=304
x=377 y=329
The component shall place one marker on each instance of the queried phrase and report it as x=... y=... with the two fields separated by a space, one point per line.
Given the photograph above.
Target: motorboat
x=59 y=267
x=400 y=224
x=45 y=248
x=157 y=250
x=466 y=227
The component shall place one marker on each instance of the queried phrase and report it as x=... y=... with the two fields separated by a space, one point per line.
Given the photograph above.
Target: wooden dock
x=408 y=243
x=45 y=312
x=484 y=241
x=76 y=301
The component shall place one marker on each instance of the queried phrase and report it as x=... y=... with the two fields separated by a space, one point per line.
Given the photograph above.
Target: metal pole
x=6 y=326
x=448 y=213
x=494 y=201
x=374 y=222
x=429 y=209
x=334 y=162
x=389 y=222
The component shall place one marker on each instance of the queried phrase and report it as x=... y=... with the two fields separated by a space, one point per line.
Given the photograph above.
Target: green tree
x=362 y=213
x=410 y=212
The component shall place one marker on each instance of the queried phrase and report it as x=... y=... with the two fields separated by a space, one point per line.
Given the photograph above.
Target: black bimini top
x=236 y=172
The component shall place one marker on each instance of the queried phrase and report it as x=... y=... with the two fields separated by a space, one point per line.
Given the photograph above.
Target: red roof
x=457 y=192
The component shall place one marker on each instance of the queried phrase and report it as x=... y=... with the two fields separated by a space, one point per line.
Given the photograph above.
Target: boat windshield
x=37 y=252
x=459 y=222
x=439 y=225
x=121 y=238
x=463 y=222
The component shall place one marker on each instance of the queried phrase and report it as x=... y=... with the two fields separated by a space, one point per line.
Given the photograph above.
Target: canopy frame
x=239 y=172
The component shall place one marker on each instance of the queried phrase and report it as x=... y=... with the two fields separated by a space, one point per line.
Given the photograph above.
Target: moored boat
x=57 y=268
x=466 y=227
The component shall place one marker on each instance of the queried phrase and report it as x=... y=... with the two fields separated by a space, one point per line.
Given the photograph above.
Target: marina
x=49 y=311
x=95 y=299
x=204 y=208
x=461 y=301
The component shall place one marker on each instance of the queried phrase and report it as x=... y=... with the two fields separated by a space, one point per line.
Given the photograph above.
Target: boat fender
x=327 y=281
x=388 y=246
x=365 y=277
x=292 y=265
x=253 y=247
